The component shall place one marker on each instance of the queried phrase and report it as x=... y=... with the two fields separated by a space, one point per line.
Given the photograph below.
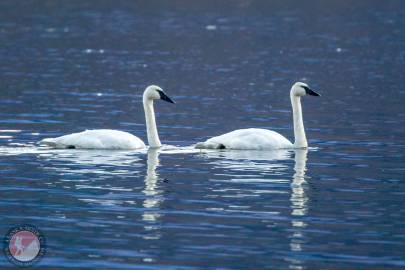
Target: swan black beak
x=310 y=92
x=164 y=97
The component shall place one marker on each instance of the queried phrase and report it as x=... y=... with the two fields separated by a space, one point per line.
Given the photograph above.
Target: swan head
x=300 y=89
x=155 y=92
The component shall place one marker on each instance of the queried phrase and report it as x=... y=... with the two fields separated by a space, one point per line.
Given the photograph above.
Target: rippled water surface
x=68 y=66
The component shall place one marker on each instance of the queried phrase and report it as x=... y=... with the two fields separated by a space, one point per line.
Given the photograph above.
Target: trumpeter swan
x=115 y=139
x=263 y=139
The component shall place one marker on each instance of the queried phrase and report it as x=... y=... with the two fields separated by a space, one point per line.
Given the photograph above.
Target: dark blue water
x=68 y=66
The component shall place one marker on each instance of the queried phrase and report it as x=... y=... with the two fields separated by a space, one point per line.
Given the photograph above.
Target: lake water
x=70 y=66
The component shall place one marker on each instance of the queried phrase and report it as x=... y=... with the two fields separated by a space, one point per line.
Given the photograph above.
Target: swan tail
x=52 y=142
x=205 y=145
x=49 y=142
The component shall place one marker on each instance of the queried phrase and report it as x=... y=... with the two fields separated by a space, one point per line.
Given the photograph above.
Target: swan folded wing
x=96 y=139
x=247 y=139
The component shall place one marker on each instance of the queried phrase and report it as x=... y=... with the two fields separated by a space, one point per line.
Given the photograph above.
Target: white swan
x=263 y=139
x=115 y=139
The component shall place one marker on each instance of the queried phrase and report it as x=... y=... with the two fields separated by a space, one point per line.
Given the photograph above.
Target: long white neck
x=151 y=130
x=299 y=132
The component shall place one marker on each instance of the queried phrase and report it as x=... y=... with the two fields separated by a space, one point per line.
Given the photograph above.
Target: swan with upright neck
x=115 y=139
x=263 y=139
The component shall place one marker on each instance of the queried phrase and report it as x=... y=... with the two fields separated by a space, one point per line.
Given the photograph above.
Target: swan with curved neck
x=263 y=139
x=115 y=139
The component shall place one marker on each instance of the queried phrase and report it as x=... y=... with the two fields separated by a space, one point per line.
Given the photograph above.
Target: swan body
x=115 y=139
x=96 y=139
x=263 y=139
x=247 y=139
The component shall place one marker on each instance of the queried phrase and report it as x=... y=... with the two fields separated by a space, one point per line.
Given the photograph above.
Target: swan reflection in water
x=299 y=207
x=104 y=166
x=261 y=164
x=248 y=160
x=256 y=165
x=153 y=196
